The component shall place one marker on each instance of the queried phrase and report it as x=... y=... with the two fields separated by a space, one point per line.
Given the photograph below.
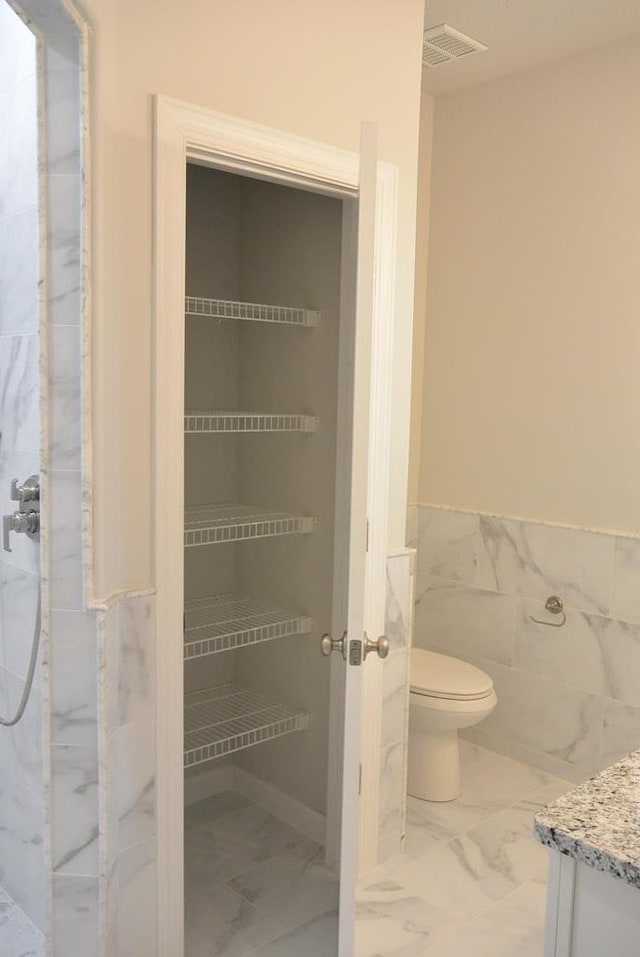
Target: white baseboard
x=197 y=787
x=288 y=809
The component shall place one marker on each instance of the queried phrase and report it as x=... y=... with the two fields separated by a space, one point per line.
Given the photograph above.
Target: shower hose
x=10 y=722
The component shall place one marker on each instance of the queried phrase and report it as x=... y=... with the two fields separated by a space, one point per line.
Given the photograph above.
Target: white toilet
x=446 y=694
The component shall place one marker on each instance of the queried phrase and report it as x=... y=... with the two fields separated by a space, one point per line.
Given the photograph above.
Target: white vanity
x=593 y=836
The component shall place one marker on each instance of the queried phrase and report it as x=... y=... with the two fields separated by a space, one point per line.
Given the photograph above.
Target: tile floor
x=473 y=881
x=253 y=885
x=18 y=936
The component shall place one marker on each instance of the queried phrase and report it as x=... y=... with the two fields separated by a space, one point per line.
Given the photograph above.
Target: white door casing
x=185 y=131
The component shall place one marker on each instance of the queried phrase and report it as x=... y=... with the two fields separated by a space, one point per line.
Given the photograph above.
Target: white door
x=183 y=132
x=357 y=574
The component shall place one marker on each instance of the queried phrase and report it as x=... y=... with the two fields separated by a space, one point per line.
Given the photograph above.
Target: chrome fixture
x=329 y=644
x=381 y=646
x=554 y=606
x=26 y=519
x=355 y=651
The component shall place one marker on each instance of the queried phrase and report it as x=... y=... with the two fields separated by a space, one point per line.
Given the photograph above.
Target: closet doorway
x=270 y=510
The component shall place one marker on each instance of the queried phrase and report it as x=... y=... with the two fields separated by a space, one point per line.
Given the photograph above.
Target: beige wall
x=306 y=67
x=531 y=382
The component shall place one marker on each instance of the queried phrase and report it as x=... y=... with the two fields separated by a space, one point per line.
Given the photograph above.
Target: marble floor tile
x=229 y=844
x=473 y=879
x=317 y=938
x=257 y=829
x=212 y=857
x=295 y=888
x=513 y=926
x=490 y=782
x=392 y=922
x=204 y=812
x=219 y=921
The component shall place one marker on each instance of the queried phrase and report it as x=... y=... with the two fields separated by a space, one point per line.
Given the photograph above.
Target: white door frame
x=182 y=130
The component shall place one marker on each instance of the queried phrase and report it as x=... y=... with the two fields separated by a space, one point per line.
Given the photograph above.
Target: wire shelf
x=217 y=524
x=225 y=622
x=226 y=718
x=201 y=422
x=252 y=311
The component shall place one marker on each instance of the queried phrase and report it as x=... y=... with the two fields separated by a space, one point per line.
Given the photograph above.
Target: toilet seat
x=439 y=676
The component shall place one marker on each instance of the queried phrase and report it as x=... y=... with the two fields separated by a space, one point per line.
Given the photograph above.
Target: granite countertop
x=598 y=823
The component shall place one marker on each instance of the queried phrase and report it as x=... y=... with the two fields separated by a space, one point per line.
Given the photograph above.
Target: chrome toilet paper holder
x=554 y=606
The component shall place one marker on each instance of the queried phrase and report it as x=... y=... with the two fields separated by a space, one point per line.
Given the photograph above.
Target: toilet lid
x=440 y=676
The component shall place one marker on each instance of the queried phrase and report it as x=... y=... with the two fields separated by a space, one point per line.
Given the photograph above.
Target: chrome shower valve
x=26 y=519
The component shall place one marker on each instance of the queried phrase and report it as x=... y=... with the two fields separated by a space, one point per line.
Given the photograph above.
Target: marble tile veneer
x=568 y=698
x=395 y=703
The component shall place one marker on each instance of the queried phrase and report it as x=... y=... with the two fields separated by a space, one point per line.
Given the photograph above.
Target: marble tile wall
x=45 y=426
x=568 y=698
x=22 y=792
x=395 y=704
x=127 y=725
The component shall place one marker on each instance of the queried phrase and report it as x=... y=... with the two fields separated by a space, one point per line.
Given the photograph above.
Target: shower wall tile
x=63 y=145
x=19 y=273
x=68 y=651
x=65 y=384
x=18 y=592
x=535 y=560
x=65 y=280
x=447 y=545
x=568 y=697
x=462 y=620
x=21 y=746
x=21 y=847
x=76 y=916
x=65 y=496
x=25 y=551
x=17 y=50
x=626 y=579
x=18 y=151
x=22 y=784
x=20 y=392
x=73 y=677
x=74 y=810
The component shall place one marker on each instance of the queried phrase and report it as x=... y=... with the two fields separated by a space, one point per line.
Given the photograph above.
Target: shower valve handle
x=29 y=491
x=21 y=522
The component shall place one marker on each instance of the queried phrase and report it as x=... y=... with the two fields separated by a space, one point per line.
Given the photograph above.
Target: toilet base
x=434 y=766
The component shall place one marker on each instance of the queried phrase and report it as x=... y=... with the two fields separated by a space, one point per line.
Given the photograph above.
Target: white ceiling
x=524 y=33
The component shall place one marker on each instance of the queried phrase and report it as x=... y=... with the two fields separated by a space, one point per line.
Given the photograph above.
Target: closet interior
x=263 y=284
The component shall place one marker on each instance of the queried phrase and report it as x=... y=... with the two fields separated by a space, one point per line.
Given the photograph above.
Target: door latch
x=26 y=519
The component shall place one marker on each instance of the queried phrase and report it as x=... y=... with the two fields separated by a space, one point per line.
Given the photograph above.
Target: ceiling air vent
x=443 y=43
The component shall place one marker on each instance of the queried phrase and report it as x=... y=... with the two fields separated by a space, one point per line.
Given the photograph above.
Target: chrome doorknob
x=381 y=646
x=329 y=644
